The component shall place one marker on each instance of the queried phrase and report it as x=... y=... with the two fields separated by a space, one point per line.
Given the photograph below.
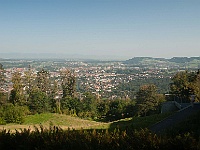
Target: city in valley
x=106 y=79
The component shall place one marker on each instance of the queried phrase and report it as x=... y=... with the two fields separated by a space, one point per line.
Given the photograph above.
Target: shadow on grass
x=138 y=122
x=189 y=125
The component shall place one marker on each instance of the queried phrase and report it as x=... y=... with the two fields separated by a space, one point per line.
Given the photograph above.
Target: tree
x=55 y=97
x=147 y=99
x=43 y=81
x=89 y=102
x=3 y=95
x=116 y=109
x=29 y=80
x=3 y=98
x=102 y=107
x=68 y=83
x=54 y=90
x=184 y=84
x=88 y=105
x=39 y=102
x=13 y=114
x=17 y=94
x=2 y=76
x=198 y=84
x=70 y=105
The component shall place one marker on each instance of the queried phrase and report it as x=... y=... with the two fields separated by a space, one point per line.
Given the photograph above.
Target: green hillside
x=66 y=121
x=63 y=121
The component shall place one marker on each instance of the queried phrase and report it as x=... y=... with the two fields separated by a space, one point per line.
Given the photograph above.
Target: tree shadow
x=123 y=124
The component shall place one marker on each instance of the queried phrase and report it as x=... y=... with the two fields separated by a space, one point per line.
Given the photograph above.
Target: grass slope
x=65 y=122
x=138 y=122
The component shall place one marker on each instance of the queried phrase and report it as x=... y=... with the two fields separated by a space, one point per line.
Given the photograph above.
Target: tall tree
x=198 y=85
x=116 y=109
x=55 y=90
x=39 y=102
x=29 y=81
x=55 y=97
x=2 y=76
x=89 y=105
x=68 y=82
x=72 y=105
x=3 y=95
x=89 y=102
x=43 y=81
x=147 y=99
x=102 y=107
x=17 y=93
x=184 y=84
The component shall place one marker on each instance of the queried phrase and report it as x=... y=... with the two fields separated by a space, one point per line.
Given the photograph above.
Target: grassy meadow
x=66 y=121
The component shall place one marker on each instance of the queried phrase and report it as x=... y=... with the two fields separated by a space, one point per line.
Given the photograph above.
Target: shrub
x=2 y=121
x=56 y=138
x=13 y=114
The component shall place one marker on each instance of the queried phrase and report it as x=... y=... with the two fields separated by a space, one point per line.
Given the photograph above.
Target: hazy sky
x=127 y=28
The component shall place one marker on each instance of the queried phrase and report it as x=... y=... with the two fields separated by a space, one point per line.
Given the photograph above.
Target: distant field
x=65 y=122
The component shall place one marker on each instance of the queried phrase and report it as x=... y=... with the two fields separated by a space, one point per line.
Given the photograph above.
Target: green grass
x=65 y=122
x=139 y=122
x=38 y=119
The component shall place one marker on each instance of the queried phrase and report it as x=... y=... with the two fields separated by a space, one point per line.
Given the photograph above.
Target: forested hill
x=183 y=59
x=141 y=60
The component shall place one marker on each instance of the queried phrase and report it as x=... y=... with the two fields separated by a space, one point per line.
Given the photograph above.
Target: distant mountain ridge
x=138 y=60
x=183 y=59
x=134 y=60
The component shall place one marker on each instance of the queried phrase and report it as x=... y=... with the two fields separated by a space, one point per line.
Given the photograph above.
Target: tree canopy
x=184 y=84
x=147 y=99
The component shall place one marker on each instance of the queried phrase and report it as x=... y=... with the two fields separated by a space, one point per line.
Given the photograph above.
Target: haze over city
x=100 y=28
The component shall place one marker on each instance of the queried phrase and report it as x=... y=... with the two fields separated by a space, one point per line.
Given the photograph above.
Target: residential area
x=107 y=79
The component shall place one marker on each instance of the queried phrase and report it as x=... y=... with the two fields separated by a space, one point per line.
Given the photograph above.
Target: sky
x=114 y=28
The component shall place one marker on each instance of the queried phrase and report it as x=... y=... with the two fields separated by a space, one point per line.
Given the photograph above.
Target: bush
x=87 y=114
x=2 y=121
x=13 y=114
